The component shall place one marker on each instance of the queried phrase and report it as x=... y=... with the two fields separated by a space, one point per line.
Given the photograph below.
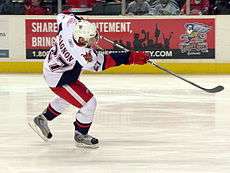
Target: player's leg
x=40 y=122
x=78 y=95
x=84 y=119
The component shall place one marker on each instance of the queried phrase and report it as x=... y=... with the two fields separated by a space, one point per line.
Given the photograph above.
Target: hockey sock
x=50 y=113
x=82 y=127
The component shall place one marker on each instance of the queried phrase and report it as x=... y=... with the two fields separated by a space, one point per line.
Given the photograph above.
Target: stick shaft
x=174 y=74
x=113 y=43
x=212 y=90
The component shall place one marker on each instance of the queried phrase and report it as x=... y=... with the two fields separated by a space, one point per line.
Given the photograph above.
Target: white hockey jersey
x=66 y=59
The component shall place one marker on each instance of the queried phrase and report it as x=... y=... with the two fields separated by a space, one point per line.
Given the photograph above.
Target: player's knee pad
x=90 y=107
x=86 y=113
x=59 y=104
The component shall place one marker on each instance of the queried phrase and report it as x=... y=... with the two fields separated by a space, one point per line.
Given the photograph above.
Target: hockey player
x=71 y=53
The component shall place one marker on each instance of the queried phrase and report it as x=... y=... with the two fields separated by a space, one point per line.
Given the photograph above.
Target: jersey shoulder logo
x=88 y=57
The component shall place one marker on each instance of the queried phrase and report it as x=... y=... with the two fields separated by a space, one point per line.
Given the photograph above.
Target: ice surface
x=145 y=123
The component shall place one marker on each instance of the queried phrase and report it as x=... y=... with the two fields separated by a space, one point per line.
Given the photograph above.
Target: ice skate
x=85 y=141
x=40 y=126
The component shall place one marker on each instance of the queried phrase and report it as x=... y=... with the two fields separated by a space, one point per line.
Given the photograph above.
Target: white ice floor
x=145 y=123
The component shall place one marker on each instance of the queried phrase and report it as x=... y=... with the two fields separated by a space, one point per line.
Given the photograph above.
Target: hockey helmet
x=85 y=30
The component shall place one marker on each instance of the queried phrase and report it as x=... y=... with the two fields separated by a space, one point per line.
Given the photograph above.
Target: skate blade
x=82 y=145
x=36 y=129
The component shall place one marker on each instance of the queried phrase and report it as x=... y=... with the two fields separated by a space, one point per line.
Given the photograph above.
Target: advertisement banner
x=4 y=38
x=162 y=38
x=40 y=35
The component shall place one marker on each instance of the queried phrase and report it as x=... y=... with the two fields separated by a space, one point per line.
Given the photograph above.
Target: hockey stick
x=211 y=90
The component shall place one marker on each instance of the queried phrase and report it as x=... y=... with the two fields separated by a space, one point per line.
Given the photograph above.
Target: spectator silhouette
x=157 y=33
x=138 y=43
x=128 y=45
x=167 y=41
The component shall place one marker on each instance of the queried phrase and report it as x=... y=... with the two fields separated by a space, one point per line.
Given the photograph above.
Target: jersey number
x=60 y=61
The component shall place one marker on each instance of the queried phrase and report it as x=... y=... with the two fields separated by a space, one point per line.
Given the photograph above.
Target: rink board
x=186 y=68
x=19 y=32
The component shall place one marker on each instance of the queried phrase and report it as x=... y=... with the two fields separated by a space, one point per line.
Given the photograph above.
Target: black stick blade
x=215 y=90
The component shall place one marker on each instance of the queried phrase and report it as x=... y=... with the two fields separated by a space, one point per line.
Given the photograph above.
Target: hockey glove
x=136 y=57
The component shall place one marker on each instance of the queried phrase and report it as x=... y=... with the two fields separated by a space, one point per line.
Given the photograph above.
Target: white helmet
x=85 y=30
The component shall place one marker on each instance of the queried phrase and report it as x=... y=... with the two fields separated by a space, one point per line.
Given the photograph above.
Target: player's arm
x=127 y=58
